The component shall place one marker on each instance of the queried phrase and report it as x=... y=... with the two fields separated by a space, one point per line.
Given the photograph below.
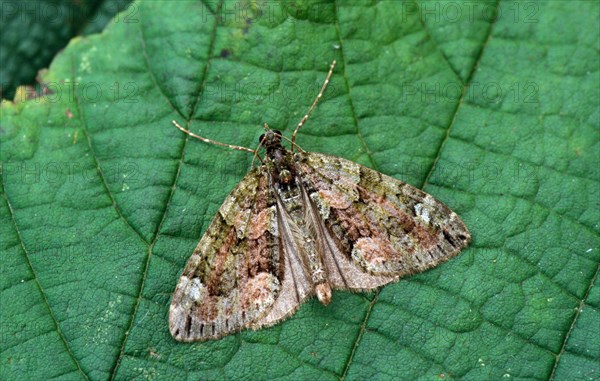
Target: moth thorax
x=323 y=293
x=285 y=176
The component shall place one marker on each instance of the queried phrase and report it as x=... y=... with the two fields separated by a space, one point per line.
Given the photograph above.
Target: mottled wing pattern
x=382 y=226
x=235 y=273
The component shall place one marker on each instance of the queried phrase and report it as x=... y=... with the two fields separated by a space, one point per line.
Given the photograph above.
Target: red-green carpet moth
x=301 y=224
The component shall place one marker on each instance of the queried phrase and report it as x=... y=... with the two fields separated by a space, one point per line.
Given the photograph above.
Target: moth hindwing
x=302 y=224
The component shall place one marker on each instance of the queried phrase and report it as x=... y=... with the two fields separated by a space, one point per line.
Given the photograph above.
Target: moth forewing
x=230 y=281
x=385 y=226
x=299 y=225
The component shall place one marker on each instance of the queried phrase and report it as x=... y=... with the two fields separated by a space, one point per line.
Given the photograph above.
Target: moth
x=303 y=224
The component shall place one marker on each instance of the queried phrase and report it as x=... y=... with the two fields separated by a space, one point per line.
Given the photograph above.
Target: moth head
x=270 y=138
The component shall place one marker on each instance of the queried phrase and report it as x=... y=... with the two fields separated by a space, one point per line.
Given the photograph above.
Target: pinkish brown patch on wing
x=374 y=251
x=259 y=293
x=259 y=224
x=335 y=198
x=258 y=256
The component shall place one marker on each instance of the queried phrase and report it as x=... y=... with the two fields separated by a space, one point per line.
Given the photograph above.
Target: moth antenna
x=310 y=110
x=293 y=144
x=206 y=140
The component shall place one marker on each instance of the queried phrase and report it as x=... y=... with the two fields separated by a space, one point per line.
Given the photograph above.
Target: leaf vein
x=37 y=281
x=101 y=174
x=572 y=327
x=462 y=97
x=173 y=187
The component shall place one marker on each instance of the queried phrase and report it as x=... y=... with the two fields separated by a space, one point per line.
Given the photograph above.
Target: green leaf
x=497 y=115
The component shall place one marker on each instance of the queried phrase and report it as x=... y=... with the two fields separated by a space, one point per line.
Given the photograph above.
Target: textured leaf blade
x=104 y=245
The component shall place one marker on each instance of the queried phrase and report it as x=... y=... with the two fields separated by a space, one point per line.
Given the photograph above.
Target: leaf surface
x=103 y=201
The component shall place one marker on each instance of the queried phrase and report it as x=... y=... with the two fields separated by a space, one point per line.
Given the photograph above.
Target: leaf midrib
x=175 y=178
